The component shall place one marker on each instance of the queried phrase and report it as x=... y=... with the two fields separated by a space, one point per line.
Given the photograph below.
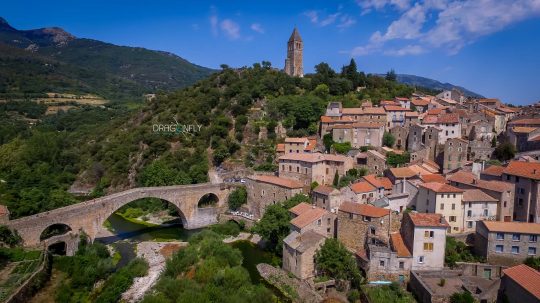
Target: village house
x=382 y=184
x=400 y=134
x=359 y=134
x=357 y=222
x=420 y=104
x=326 y=197
x=492 y=172
x=455 y=154
x=525 y=176
x=310 y=217
x=507 y=243
x=266 y=190
x=477 y=206
x=519 y=284
x=363 y=192
x=502 y=191
x=375 y=162
x=424 y=236
x=395 y=115
x=442 y=199
x=299 y=145
x=299 y=253
x=313 y=167
x=403 y=102
x=400 y=174
x=327 y=123
x=480 y=150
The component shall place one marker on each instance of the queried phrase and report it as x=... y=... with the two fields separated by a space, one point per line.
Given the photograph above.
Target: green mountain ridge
x=52 y=60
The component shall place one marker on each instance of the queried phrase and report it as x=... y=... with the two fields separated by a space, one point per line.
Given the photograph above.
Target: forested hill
x=106 y=149
x=52 y=60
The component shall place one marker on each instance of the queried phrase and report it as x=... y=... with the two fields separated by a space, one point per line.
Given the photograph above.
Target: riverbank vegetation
x=208 y=270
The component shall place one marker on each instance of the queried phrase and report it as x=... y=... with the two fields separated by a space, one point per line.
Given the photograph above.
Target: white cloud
x=213 y=20
x=455 y=24
x=341 y=20
x=256 y=27
x=230 y=28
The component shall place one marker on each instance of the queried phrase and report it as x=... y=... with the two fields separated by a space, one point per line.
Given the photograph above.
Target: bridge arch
x=54 y=229
x=208 y=200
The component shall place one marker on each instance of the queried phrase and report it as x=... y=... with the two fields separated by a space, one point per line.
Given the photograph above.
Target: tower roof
x=295 y=36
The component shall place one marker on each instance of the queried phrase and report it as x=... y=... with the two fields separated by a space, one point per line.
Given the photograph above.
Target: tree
x=321 y=91
x=350 y=72
x=505 y=151
x=237 y=198
x=397 y=160
x=328 y=141
x=391 y=75
x=388 y=139
x=462 y=297
x=9 y=237
x=342 y=148
x=273 y=227
x=336 y=179
x=334 y=260
x=533 y=262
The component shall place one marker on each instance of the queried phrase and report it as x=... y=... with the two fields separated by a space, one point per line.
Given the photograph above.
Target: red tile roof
x=494 y=170
x=395 y=108
x=363 y=209
x=352 y=111
x=412 y=114
x=300 y=208
x=327 y=119
x=530 y=170
x=428 y=220
x=283 y=182
x=525 y=122
x=462 y=176
x=433 y=178
x=399 y=245
x=402 y=172
x=509 y=227
x=374 y=111
x=295 y=140
x=378 y=181
x=476 y=195
x=522 y=129
x=280 y=147
x=526 y=277
x=323 y=189
x=441 y=188
x=448 y=118
x=362 y=187
x=309 y=216
x=313 y=157
x=420 y=102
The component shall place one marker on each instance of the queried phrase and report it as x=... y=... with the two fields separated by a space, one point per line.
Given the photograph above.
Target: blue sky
x=491 y=47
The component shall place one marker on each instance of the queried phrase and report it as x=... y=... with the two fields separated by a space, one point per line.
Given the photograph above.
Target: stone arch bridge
x=89 y=216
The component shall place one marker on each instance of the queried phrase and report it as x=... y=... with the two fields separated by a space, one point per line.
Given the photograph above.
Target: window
x=531 y=251
x=515 y=249
x=500 y=236
x=429 y=234
x=469 y=224
x=442 y=206
x=516 y=237
x=401 y=265
x=469 y=213
x=452 y=218
x=290 y=168
x=381 y=263
x=442 y=196
x=470 y=204
x=421 y=259
x=453 y=206
x=486 y=213
x=372 y=230
x=499 y=248
x=533 y=238
x=366 y=218
x=319 y=222
x=454 y=196
x=350 y=216
x=428 y=246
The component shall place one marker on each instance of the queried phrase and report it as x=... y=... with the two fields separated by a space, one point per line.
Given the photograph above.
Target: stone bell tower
x=295 y=47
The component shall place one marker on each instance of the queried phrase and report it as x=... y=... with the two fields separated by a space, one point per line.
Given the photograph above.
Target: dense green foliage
x=388 y=139
x=207 y=271
x=121 y=280
x=342 y=148
x=533 y=262
x=9 y=237
x=388 y=293
x=397 y=160
x=238 y=198
x=457 y=251
x=505 y=151
x=462 y=297
x=334 y=260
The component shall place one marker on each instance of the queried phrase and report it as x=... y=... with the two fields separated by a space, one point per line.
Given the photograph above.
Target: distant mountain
x=53 y=60
x=433 y=84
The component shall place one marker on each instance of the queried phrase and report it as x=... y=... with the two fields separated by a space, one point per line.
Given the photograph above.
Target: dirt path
x=6 y=271
x=155 y=253
x=48 y=292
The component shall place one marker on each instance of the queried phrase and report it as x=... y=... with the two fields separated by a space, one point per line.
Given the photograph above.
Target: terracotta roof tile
x=420 y=102
x=463 y=177
x=476 y=195
x=402 y=172
x=494 y=185
x=300 y=208
x=494 y=170
x=399 y=245
x=433 y=178
x=313 y=157
x=509 y=227
x=428 y=220
x=523 y=129
x=528 y=170
x=395 y=108
x=323 y=189
x=374 y=111
x=295 y=140
x=283 y=182
x=311 y=145
x=280 y=147
x=363 y=209
x=448 y=118
x=352 y=111
x=441 y=188
x=309 y=216
x=525 y=122
x=362 y=187
x=378 y=181
x=389 y=102
x=526 y=277
x=327 y=119
x=412 y=114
